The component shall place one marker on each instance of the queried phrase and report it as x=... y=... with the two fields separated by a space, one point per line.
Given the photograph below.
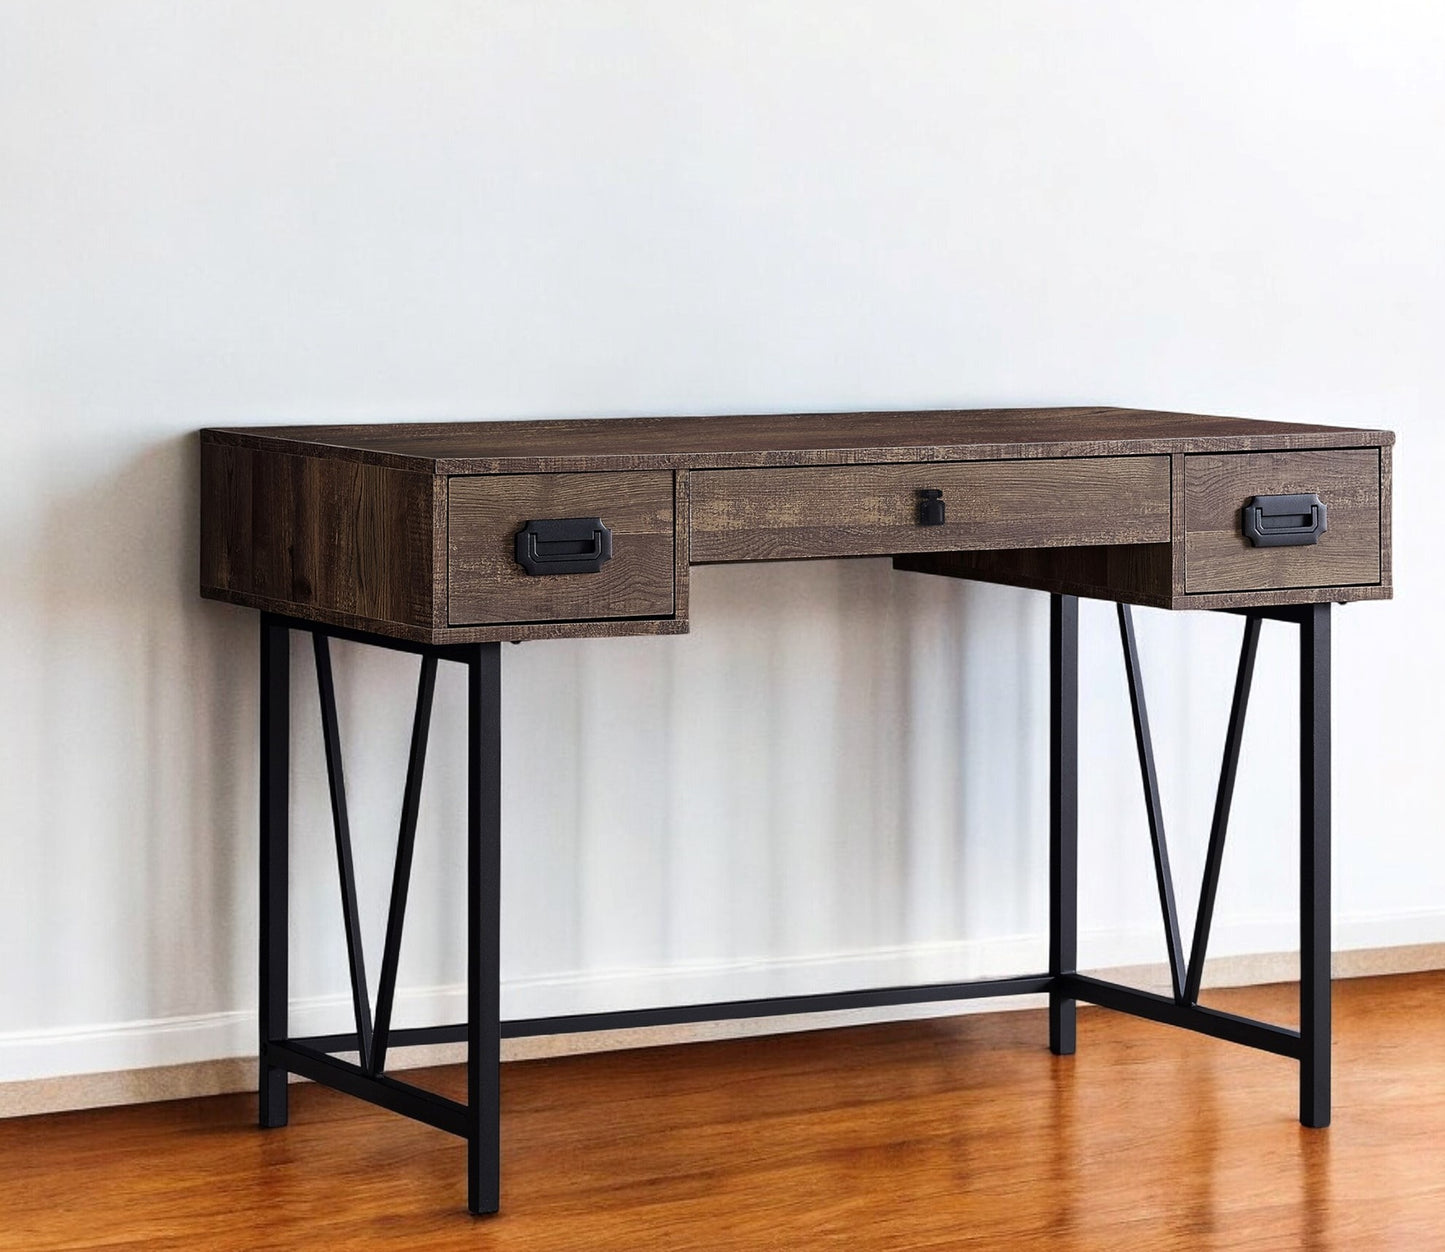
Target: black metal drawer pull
x=564 y=545
x=930 y=507
x=1285 y=521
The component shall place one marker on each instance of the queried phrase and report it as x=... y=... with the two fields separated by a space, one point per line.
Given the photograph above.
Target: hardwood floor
x=961 y=1133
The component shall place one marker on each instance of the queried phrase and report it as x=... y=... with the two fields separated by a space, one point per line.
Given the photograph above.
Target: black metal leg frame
x=478 y=1120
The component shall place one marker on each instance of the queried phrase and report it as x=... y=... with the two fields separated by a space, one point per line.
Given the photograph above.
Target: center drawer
x=620 y=524
x=879 y=510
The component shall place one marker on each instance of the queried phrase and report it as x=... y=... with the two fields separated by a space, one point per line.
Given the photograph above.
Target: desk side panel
x=1387 y=518
x=318 y=537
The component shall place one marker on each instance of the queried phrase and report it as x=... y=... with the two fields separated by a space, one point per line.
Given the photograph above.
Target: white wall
x=215 y=213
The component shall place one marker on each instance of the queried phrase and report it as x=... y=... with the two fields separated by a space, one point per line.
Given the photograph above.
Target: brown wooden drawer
x=1218 y=557
x=484 y=513
x=861 y=510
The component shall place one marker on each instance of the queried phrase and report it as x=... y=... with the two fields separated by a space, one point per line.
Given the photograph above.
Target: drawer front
x=486 y=584
x=865 y=510
x=1217 y=555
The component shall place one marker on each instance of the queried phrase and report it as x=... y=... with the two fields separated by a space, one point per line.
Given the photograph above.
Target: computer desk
x=448 y=539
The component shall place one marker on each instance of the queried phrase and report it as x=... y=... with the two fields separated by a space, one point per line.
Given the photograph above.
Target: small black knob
x=930 y=507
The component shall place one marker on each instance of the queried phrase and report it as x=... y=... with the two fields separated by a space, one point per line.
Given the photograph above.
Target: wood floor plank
x=956 y=1133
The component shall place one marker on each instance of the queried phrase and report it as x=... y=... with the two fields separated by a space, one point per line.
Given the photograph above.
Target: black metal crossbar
x=478 y=1120
x=400 y=1097
x=721 y=1011
x=1205 y=1021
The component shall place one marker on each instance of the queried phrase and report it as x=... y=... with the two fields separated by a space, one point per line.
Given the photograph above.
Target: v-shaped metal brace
x=372 y=1037
x=1187 y=976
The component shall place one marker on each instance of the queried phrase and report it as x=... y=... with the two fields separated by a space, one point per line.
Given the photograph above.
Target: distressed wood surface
x=349 y=524
x=682 y=545
x=317 y=535
x=1387 y=516
x=1132 y=573
x=789 y=439
x=786 y=514
x=487 y=586
x=1176 y=531
x=1219 y=559
x=960 y=1133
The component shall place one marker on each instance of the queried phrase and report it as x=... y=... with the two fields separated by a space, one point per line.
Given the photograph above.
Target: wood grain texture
x=309 y=534
x=1281 y=596
x=789 y=439
x=348 y=524
x=1218 y=558
x=1176 y=530
x=1387 y=517
x=788 y=514
x=441 y=494
x=1132 y=573
x=484 y=514
x=959 y=1133
x=502 y=632
x=682 y=546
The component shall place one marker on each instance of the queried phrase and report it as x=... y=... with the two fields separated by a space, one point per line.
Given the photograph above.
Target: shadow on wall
x=839 y=758
x=142 y=709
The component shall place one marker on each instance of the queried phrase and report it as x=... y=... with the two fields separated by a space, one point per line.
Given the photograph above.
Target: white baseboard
x=207 y=1054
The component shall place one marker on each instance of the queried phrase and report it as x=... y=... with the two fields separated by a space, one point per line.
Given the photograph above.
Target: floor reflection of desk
x=447 y=539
